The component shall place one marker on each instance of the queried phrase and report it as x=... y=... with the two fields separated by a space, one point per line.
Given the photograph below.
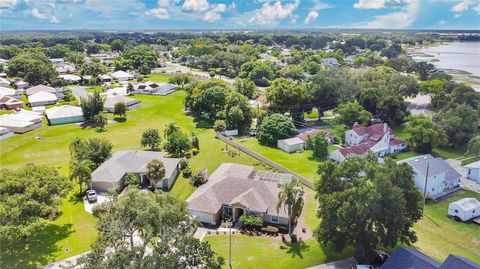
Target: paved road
x=341 y=264
x=79 y=91
x=419 y=105
x=464 y=181
x=67 y=263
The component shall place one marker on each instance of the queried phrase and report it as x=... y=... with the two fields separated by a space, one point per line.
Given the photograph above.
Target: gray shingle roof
x=436 y=166
x=131 y=161
x=404 y=258
x=236 y=184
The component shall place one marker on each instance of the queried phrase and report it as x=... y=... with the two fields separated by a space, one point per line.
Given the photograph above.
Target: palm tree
x=291 y=197
x=155 y=171
x=474 y=145
x=100 y=120
x=81 y=171
x=170 y=128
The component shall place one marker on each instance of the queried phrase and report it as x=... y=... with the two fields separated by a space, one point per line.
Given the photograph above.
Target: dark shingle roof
x=404 y=258
x=457 y=262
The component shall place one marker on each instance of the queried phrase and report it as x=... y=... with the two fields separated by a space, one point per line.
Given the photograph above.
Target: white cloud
x=442 y=22
x=52 y=5
x=214 y=14
x=37 y=14
x=195 y=5
x=375 y=4
x=271 y=13
x=320 y=5
x=4 y=4
x=313 y=15
x=464 y=5
x=395 y=20
x=160 y=13
x=54 y=19
x=477 y=8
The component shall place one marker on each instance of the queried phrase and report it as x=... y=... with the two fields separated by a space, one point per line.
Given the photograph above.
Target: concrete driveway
x=464 y=181
x=101 y=198
x=341 y=264
x=79 y=91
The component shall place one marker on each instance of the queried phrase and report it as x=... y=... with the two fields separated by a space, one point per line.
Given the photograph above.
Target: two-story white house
x=378 y=138
x=440 y=177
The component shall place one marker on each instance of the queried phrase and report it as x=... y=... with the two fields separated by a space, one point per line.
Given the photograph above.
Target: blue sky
x=236 y=14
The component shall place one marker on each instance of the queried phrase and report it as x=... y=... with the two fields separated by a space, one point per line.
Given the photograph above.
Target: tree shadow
x=38 y=249
x=120 y=119
x=296 y=249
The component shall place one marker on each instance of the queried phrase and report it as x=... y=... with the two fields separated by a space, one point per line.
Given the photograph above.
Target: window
x=473 y=211
x=469 y=171
x=433 y=189
x=446 y=184
x=456 y=211
x=274 y=219
x=228 y=210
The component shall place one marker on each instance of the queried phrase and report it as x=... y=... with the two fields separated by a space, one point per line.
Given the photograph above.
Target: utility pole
x=230 y=223
x=425 y=187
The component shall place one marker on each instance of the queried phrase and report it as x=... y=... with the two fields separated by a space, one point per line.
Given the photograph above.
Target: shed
x=465 y=209
x=42 y=99
x=110 y=102
x=64 y=114
x=291 y=144
x=473 y=171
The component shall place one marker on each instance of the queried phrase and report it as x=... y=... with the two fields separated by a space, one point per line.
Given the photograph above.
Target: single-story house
x=154 y=88
x=442 y=178
x=70 y=78
x=106 y=78
x=465 y=209
x=328 y=135
x=290 y=145
x=42 y=99
x=39 y=109
x=122 y=75
x=40 y=88
x=4 y=82
x=111 y=100
x=235 y=189
x=5 y=133
x=116 y=91
x=7 y=91
x=111 y=173
x=21 y=122
x=331 y=61
x=10 y=103
x=64 y=114
x=405 y=258
x=21 y=84
x=65 y=68
x=473 y=171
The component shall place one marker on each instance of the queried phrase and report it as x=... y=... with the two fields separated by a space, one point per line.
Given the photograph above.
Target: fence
x=264 y=160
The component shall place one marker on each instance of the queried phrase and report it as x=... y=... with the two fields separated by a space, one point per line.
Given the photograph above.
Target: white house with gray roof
x=64 y=114
x=111 y=173
x=442 y=178
x=473 y=171
x=234 y=190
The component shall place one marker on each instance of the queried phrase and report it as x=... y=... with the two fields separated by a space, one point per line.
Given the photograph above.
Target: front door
x=239 y=212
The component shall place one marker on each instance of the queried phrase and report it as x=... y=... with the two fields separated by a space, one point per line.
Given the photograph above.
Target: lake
x=459 y=59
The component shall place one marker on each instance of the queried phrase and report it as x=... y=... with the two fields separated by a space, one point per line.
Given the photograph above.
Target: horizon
x=230 y=15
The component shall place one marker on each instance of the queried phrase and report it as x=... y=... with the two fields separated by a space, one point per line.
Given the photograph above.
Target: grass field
x=265 y=252
x=49 y=145
x=439 y=236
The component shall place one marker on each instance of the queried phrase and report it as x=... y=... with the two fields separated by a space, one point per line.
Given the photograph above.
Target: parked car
x=91 y=196
x=363 y=266
x=377 y=258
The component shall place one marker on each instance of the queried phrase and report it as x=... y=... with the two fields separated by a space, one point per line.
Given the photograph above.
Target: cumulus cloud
x=313 y=15
x=272 y=13
x=465 y=5
x=442 y=22
x=317 y=5
x=395 y=20
x=195 y=5
x=375 y=4
x=214 y=14
x=160 y=13
x=4 y=4
x=54 y=19
x=39 y=15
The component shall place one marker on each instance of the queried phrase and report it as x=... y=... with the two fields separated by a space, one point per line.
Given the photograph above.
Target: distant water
x=459 y=59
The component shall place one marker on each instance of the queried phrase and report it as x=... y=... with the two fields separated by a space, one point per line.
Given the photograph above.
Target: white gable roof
x=20 y=119
x=42 y=97
x=7 y=91
x=473 y=165
x=70 y=77
x=467 y=203
x=64 y=112
x=121 y=74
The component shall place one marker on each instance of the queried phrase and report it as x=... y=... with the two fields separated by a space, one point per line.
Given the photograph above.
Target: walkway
x=464 y=181
x=341 y=264
x=67 y=263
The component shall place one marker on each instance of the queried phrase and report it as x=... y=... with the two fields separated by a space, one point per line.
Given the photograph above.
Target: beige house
x=234 y=190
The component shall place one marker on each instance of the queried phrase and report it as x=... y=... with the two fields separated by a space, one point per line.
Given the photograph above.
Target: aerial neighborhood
x=238 y=148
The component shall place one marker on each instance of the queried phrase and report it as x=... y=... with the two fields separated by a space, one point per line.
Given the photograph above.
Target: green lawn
x=157 y=78
x=70 y=234
x=405 y=155
x=49 y=145
x=439 y=236
x=471 y=160
x=265 y=252
x=94 y=89
x=310 y=210
x=302 y=163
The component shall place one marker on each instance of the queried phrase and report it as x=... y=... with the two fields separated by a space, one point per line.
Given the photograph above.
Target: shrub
x=195 y=151
x=187 y=172
x=183 y=164
x=197 y=179
x=251 y=220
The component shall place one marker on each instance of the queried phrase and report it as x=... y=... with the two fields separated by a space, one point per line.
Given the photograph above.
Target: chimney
x=385 y=127
x=355 y=124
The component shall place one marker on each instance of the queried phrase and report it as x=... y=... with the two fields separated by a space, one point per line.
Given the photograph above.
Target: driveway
x=464 y=181
x=101 y=198
x=341 y=264
x=79 y=92
x=419 y=105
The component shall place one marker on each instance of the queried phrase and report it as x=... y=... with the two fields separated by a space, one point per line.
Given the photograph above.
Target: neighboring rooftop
x=39 y=88
x=64 y=111
x=435 y=166
x=405 y=258
x=473 y=165
x=467 y=203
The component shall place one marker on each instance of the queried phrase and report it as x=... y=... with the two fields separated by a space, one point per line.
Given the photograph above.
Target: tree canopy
x=273 y=128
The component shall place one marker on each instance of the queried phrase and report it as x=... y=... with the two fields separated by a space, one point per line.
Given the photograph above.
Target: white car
x=91 y=196
x=363 y=266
